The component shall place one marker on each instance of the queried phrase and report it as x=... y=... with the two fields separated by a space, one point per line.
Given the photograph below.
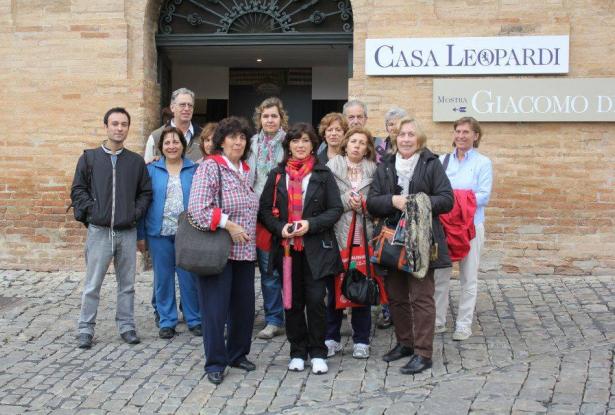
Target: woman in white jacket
x=353 y=170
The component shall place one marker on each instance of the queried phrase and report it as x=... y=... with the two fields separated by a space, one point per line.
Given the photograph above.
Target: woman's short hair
x=172 y=130
x=231 y=126
x=329 y=119
x=418 y=131
x=371 y=150
x=208 y=130
x=268 y=103
x=295 y=132
x=474 y=126
x=394 y=113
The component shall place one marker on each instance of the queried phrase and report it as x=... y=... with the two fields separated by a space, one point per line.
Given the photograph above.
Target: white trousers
x=468 y=278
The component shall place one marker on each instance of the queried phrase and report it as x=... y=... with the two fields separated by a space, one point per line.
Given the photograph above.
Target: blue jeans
x=271 y=287
x=227 y=298
x=162 y=249
x=361 y=320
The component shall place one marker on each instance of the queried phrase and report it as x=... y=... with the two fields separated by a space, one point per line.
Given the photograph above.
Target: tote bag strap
x=366 y=245
x=350 y=238
x=274 y=210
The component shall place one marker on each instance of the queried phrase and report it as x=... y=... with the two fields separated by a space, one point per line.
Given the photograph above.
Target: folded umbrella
x=287 y=281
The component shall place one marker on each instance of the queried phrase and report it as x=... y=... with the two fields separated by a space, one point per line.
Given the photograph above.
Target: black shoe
x=215 y=377
x=85 y=341
x=196 y=330
x=416 y=364
x=130 y=337
x=244 y=364
x=384 y=323
x=166 y=333
x=397 y=352
x=157 y=319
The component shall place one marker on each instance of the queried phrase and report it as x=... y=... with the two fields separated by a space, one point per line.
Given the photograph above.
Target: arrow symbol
x=455 y=109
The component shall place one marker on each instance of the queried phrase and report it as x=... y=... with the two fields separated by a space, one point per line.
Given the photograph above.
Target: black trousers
x=306 y=338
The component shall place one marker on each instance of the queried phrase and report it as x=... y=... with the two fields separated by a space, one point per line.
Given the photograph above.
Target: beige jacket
x=340 y=171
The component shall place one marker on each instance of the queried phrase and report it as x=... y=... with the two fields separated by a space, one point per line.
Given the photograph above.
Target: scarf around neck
x=267 y=149
x=405 y=169
x=296 y=171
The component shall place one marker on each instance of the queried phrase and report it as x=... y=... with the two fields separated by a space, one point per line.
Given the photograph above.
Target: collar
x=191 y=128
x=223 y=161
x=106 y=150
x=161 y=163
x=468 y=154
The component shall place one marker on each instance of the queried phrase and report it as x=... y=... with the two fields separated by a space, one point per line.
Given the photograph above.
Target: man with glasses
x=182 y=106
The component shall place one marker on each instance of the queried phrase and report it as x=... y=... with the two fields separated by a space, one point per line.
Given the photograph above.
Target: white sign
x=530 y=100
x=467 y=55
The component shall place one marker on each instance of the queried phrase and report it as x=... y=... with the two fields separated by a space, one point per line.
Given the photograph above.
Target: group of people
x=297 y=189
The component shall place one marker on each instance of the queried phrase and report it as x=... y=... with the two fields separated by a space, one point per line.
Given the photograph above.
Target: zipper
x=112 y=232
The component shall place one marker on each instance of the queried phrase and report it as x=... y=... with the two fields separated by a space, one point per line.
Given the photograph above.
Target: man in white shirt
x=182 y=106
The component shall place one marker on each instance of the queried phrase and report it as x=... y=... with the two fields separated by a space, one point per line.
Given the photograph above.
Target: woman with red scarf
x=307 y=206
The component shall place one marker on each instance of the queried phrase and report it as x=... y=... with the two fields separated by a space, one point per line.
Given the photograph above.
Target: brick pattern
x=65 y=62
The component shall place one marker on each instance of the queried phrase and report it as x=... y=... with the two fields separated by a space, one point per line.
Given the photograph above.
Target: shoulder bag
x=389 y=249
x=202 y=251
x=263 y=236
x=356 y=286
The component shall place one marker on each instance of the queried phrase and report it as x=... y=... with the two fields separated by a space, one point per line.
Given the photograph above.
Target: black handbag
x=198 y=250
x=356 y=286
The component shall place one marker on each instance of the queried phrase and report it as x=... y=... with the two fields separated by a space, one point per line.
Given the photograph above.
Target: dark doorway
x=249 y=87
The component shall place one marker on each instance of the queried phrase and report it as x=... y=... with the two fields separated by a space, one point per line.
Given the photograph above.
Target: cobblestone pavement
x=539 y=346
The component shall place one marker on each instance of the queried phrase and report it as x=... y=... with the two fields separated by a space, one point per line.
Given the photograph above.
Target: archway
x=233 y=53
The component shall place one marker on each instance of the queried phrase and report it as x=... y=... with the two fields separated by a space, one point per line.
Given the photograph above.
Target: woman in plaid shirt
x=227 y=298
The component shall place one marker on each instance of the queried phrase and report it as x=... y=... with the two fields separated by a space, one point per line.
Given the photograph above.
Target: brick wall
x=65 y=62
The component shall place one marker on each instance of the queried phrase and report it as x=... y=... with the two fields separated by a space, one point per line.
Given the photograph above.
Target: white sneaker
x=440 y=329
x=332 y=347
x=462 y=334
x=360 y=351
x=296 y=365
x=319 y=366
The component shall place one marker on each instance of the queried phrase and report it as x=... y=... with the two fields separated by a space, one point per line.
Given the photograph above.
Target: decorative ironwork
x=254 y=16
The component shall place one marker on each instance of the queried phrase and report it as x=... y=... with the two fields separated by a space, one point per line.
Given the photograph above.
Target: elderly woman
x=206 y=140
x=353 y=170
x=307 y=206
x=332 y=129
x=227 y=298
x=171 y=181
x=391 y=118
x=383 y=145
x=411 y=169
x=271 y=120
x=467 y=169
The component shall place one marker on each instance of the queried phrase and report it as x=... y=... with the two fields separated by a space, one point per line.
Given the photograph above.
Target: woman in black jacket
x=410 y=170
x=307 y=206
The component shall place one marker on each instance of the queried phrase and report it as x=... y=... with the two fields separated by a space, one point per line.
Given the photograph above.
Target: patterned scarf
x=268 y=148
x=296 y=171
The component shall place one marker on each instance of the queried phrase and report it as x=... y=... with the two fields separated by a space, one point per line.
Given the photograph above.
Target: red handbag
x=360 y=259
x=263 y=236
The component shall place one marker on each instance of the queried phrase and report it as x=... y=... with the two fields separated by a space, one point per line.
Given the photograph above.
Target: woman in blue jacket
x=171 y=181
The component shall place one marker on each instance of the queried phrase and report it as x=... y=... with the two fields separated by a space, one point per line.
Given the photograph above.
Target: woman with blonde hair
x=411 y=169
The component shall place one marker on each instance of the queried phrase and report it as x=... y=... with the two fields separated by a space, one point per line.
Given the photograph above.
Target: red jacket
x=458 y=224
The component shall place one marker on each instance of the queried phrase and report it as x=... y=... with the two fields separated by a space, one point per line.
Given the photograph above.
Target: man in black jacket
x=111 y=191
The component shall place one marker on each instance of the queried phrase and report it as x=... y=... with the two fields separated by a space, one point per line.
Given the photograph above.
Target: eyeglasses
x=183 y=105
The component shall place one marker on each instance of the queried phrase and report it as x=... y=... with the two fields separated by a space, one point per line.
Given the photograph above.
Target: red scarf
x=296 y=171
